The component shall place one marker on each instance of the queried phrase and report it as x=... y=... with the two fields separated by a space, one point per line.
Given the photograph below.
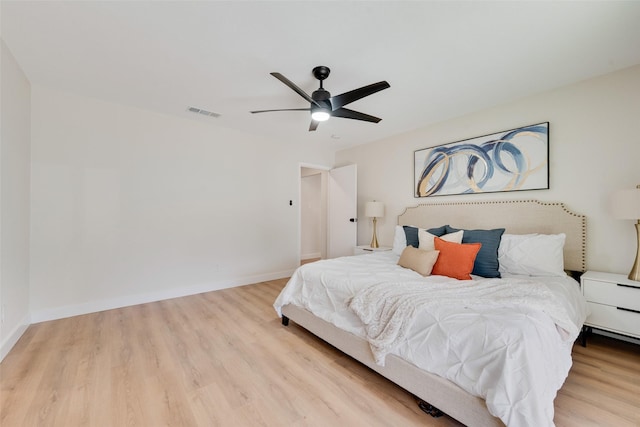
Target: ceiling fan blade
x=345 y=113
x=343 y=99
x=281 y=109
x=293 y=86
x=313 y=125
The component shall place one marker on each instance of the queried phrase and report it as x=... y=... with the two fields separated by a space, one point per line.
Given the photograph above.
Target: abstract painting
x=512 y=160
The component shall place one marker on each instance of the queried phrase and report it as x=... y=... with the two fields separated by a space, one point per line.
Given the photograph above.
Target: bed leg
x=586 y=331
x=429 y=409
x=285 y=320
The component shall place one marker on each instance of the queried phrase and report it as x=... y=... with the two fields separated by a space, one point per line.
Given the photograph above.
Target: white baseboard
x=112 y=303
x=310 y=256
x=13 y=337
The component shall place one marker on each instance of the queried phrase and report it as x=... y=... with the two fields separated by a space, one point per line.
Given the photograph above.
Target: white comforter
x=511 y=348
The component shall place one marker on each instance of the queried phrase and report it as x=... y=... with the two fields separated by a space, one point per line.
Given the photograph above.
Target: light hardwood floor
x=223 y=359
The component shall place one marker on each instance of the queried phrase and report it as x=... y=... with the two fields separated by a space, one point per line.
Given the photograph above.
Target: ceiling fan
x=323 y=105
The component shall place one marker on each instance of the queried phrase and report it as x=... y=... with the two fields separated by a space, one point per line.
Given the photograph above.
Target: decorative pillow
x=455 y=259
x=486 y=264
x=418 y=260
x=411 y=237
x=426 y=239
x=532 y=254
x=438 y=231
x=399 y=241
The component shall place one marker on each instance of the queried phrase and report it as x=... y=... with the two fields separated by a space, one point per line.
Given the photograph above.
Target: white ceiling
x=442 y=58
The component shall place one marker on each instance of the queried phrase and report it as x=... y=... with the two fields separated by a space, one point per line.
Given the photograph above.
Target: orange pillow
x=455 y=259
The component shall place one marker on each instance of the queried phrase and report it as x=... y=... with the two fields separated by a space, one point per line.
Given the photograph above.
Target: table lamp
x=626 y=205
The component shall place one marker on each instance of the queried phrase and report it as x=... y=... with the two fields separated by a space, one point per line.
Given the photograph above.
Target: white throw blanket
x=388 y=310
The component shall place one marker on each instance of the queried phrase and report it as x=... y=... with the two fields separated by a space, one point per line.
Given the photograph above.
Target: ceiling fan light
x=320 y=115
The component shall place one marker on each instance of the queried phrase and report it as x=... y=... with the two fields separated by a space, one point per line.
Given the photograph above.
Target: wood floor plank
x=223 y=359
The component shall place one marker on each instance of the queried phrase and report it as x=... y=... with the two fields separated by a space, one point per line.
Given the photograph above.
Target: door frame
x=321 y=168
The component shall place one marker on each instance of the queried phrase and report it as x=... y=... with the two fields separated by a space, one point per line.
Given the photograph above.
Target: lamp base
x=635 y=270
x=374 y=239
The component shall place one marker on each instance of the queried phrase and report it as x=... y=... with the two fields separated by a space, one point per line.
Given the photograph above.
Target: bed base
x=441 y=394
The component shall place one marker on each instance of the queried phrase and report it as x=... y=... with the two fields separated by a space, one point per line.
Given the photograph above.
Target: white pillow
x=426 y=239
x=399 y=241
x=532 y=254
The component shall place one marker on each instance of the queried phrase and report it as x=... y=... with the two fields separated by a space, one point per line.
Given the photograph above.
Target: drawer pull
x=628 y=286
x=628 y=309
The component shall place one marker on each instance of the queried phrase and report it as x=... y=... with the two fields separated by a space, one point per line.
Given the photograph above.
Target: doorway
x=313 y=213
x=328 y=211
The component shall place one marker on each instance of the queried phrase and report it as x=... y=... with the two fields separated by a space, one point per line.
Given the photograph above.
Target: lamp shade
x=625 y=204
x=374 y=209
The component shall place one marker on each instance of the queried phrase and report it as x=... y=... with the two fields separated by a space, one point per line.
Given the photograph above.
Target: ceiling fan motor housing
x=321 y=98
x=320 y=95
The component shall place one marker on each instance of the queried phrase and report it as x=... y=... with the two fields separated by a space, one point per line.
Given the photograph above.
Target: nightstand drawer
x=611 y=318
x=612 y=294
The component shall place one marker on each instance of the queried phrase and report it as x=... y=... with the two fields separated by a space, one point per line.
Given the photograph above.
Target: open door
x=342 y=211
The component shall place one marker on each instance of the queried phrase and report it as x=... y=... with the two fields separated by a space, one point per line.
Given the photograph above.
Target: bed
x=488 y=351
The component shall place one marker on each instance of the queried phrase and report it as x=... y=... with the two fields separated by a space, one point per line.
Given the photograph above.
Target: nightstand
x=614 y=302
x=366 y=249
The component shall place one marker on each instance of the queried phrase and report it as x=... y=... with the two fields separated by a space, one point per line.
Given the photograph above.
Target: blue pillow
x=486 y=264
x=412 y=234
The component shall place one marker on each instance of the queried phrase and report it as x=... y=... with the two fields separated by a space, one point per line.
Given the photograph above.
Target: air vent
x=203 y=112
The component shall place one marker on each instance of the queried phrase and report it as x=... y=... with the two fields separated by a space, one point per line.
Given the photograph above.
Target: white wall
x=131 y=206
x=594 y=150
x=14 y=212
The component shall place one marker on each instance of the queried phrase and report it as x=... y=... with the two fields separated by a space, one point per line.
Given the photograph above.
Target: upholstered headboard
x=515 y=216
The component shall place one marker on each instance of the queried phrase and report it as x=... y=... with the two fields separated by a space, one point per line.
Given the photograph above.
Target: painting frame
x=511 y=160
